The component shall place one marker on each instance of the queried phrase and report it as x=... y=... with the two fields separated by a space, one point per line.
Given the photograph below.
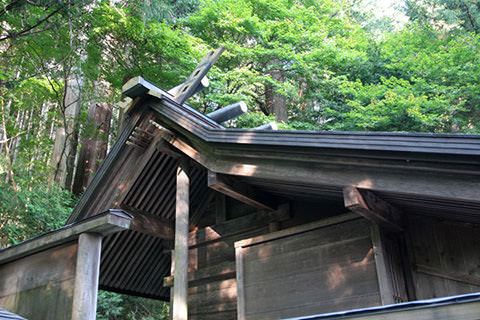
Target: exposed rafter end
x=371 y=207
x=240 y=191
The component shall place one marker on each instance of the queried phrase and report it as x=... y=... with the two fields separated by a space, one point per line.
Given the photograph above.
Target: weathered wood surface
x=238 y=226
x=298 y=229
x=86 y=277
x=40 y=286
x=229 y=112
x=111 y=179
x=241 y=298
x=324 y=269
x=180 y=281
x=328 y=169
x=212 y=270
x=240 y=191
x=103 y=224
x=150 y=224
x=445 y=257
x=368 y=205
x=189 y=87
x=390 y=266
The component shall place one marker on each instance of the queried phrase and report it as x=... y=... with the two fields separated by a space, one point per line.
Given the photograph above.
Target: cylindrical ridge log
x=267 y=126
x=229 y=112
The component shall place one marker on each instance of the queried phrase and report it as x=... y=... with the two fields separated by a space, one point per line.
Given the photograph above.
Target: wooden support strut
x=368 y=205
x=180 y=286
x=86 y=277
x=239 y=191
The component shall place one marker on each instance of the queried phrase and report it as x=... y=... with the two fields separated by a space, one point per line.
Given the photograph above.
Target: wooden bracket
x=371 y=207
x=150 y=224
x=240 y=191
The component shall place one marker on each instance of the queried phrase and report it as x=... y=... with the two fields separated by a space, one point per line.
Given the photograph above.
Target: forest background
x=308 y=64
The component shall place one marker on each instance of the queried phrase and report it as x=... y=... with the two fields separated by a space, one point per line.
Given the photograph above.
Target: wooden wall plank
x=447 y=257
x=38 y=289
x=323 y=269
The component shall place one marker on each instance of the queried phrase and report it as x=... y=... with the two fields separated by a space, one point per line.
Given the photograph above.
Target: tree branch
x=31 y=27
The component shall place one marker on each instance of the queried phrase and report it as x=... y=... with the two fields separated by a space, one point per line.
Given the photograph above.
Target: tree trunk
x=276 y=103
x=66 y=137
x=94 y=145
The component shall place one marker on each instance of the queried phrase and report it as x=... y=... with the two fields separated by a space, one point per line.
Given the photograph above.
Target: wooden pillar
x=86 y=277
x=180 y=280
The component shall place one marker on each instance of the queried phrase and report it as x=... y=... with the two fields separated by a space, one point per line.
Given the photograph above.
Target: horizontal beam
x=239 y=191
x=233 y=227
x=371 y=207
x=150 y=224
x=106 y=223
x=297 y=229
x=219 y=271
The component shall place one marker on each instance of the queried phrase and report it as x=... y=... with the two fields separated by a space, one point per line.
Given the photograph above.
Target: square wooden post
x=180 y=280
x=86 y=277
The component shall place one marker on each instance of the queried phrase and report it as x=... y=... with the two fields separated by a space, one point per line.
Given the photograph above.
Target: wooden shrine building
x=261 y=224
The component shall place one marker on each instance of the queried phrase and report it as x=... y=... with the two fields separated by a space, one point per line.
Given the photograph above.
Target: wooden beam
x=239 y=225
x=150 y=224
x=222 y=270
x=164 y=147
x=436 y=272
x=106 y=223
x=183 y=146
x=239 y=191
x=368 y=205
x=86 y=277
x=180 y=286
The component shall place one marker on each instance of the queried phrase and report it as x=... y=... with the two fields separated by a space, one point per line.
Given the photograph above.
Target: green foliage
x=113 y=306
x=31 y=211
x=305 y=41
x=391 y=105
x=335 y=64
x=445 y=15
x=253 y=119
